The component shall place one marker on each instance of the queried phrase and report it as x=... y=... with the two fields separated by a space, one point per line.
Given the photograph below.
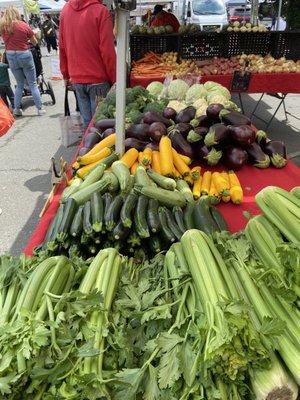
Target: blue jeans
x=22 y=66
x=87 y=95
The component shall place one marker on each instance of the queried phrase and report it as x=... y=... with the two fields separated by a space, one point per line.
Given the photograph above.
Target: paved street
x=25 y=154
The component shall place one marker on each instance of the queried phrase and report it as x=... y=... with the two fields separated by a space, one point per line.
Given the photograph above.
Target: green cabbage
x=221 y=90
x=155 y=88
x=177 y=89
x=199 y=103
x=194 y=93
x=209 y=85
x=216 y=98
x=201 y=110
x=177 y=105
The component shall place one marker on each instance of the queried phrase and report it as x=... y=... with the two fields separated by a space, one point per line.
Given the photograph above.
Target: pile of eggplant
x=222 y=135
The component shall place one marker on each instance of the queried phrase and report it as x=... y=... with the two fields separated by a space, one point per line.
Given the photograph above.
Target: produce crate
x=141 y=44
x=202 y=45
x=248 y=43
x=287 y=44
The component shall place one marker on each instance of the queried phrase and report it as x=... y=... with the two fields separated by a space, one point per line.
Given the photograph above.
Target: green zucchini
x=140 y=219
x=202 y=217
x=94 y=175
x=107 y=200
x=218 y=218
x=76 y=226
x=172 y=224
x=92 y=249
x=188 y=215
x=183 y=187
x=164 y=196
x=134 y=240
x=69 y=213
x=123 y=174
x=97 y=239
x=69 y=190
x=178 y=215
x=165 y=230
x=107 y=161
x=112 y=216
x=131 y=183
x=152 y=215
x=127 y=209
x=120 y=232
x=141 y=177
x=50 y=232
x=84 y=238
x=154 y=243
x=87 y=219
x=97 y=210
x=162 y=181
x=114 y=183
x=51 y=245
x=83 y=195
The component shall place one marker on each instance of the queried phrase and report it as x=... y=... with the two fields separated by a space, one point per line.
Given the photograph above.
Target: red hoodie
x=86 y=43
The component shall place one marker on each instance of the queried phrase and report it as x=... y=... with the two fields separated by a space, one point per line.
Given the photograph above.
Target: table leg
x=257 y=104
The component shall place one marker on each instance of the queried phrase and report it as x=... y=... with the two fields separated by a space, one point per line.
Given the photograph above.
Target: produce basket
x=141 y=44
x=249 y=43
x=202 y=45
x=287 y=44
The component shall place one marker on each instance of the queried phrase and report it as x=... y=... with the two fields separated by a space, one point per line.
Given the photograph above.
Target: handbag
x=71 y=124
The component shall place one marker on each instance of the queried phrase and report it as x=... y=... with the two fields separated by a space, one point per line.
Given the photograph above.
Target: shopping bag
x=71 y=123
x=6 y=118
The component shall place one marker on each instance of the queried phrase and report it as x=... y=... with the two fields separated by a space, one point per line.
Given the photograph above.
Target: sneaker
x=17 y=112
x=41 y=111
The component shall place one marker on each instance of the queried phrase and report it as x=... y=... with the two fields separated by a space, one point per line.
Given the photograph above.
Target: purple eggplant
x=135 y=143
x=276 y=150
x=186 y=115
x=157 y=130
x=257 y=157
x=91 y=139
x=93 y=129
x=104 y=124
x=180 y=144
x=205 y=121
x=138 y=131
x=150 y=117
x=242 y=135
x=169 y=113
x=234 y=118
x=235 y=158
x=261 y=137
x=153 y=146
x=197 y=134
x=217 y=134
x=213 y=111
x=208 y=156
x=183 y=128
x=83 y=150
x=108 y=132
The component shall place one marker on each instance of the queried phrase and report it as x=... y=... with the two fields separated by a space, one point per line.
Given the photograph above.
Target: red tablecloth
x=259 y=83
x=252 y=180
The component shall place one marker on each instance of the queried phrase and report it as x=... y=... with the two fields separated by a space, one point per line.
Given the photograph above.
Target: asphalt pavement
x=26 y=151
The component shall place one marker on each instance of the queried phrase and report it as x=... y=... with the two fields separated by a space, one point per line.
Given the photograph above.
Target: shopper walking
x=87 y=52
x=49 y=27
x=6 y=92
x=16 y=35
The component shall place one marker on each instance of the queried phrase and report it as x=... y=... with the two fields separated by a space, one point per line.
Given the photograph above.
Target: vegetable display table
x=259 y=83
x=252 y=180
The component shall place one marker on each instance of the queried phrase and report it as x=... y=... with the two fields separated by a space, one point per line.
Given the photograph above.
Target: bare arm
x=33 y=40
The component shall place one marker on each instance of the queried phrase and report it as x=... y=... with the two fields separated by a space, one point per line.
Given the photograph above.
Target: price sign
x=240 y=81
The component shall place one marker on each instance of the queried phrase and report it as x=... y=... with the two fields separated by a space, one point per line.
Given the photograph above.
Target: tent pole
x=279 y=15
x=122 y=34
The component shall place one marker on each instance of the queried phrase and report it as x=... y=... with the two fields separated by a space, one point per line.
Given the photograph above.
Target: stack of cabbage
x=200 y=96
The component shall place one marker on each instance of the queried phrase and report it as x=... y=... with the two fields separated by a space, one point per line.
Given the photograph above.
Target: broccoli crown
x=140 y=91
x=134 y=116
x=157 y=107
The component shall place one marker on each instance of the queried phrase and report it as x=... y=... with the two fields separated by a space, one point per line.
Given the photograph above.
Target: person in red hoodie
x=87 y=52
x=163 y=18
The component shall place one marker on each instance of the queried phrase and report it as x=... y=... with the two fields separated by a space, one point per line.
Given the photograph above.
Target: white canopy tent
x=16 y=3
x=51 y=6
